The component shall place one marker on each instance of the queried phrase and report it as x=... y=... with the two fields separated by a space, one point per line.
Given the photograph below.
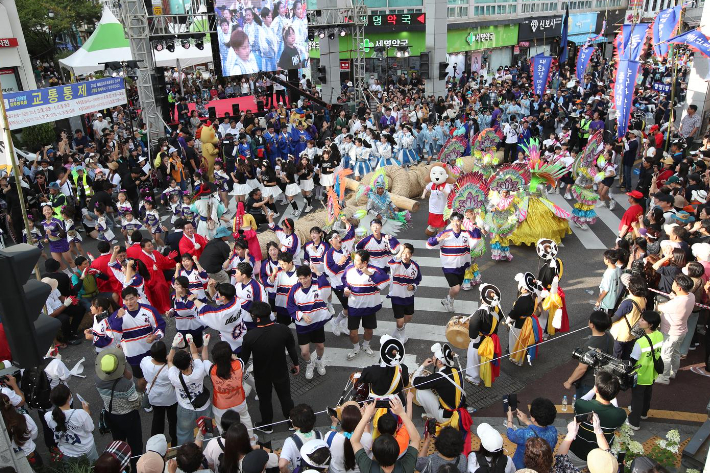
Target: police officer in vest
x=646 y=349
x=57 y=199
x=82 y=184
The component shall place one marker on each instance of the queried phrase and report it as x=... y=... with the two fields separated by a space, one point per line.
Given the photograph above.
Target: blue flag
x=633 y=39
x=624 y=94
x=585 y=54
x=696 y=40
x=663 y=27
x=565 y=31
x=541 y=71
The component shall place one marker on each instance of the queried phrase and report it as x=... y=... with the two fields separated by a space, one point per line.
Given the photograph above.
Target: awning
x=582 y=38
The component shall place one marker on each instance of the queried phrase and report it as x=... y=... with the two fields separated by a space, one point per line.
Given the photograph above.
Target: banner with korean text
x=33 y=107
x=540 y=72
x=585 y=54
x=663 y=27
x=624 y=94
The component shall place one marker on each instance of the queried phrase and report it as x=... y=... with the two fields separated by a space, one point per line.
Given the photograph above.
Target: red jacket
x=110 y=285
x=158 y=289
x=188 y=247
x=134 y=251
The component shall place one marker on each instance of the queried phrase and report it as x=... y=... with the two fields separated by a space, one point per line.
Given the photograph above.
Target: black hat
x=490 y=294
x=391 y=350
x=255 y=461
x=663 y=197
x=444 y=353
x=528 y=282
x=546 y=248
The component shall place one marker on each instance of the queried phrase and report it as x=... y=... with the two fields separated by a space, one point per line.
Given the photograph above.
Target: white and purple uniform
x=124 y=208
x=402 y=276
x=152 y=220
x=136 y=281
x=36 y=236
x=365 y=298
x=54 y=229
x=133 y=329
x=268 y=268
x=310 y=302
x=185 y=314
x=197 y=282
x=130 y=227
x=315 y=254
x=72 y=234
x=247 y=294
x=289 y=243
x=285 y=280
x=381 y=250
x=455 y=249
x=227 y=320
x=234 y=260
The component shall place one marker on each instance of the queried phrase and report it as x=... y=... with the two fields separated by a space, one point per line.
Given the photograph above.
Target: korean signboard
x=33 y=107
x=546 y=27
x=415 y=40
x=484 y=37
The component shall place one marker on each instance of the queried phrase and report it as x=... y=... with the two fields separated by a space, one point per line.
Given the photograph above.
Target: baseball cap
x=601 y=461
x=673 y=180
x=150 y=462
x=255 y=461
x=635 y=194
x=158 y=444
x=491 y=439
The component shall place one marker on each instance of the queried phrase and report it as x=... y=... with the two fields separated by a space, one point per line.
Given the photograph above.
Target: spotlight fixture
x=199 y=44
x=343 y=32
x=331 y=35
x=311 y=35
x=185 y=43
x=321 y=34
x=170 y=45
x=399 y=53
x=159 y=46
x=402 y=51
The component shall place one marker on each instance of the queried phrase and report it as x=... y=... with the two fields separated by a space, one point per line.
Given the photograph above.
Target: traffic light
x=322 y=76
x=442 y=70
x=29 y=333
x=424 y=65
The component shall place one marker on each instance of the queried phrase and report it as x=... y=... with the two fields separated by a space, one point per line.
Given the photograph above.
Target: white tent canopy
x=108 y=43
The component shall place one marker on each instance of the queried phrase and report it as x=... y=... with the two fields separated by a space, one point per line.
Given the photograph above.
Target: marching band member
x=248 y=291
x=482 y=363
x=406 y=277
x=337 y=258
x=524 y=328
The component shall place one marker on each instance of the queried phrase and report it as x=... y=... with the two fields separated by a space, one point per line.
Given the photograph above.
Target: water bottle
x=574 y=400
x=564 y=403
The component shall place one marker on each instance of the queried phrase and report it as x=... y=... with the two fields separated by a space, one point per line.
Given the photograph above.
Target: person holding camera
x=448 y=446
x=583 y=375
x=645 y=354
x=542 y=416
x=627 y=315
x=674 y=325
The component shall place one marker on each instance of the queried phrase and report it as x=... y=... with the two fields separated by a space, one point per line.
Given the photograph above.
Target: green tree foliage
x=42 y=32
x=36 y=136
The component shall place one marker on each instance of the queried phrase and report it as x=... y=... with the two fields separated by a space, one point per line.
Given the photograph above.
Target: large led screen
x=260 y=35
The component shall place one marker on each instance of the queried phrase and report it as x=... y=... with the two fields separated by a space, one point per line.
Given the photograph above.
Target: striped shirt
x=365 y=298
x=227 y=320
x=315 y=254
x=234 y=260
x=198 y=281
x=289 y=243
x=285 y=280
x=402 y=276
x=133 y=329
x=248 y=293
x=380 y=250
x=455 y=249
x=268 y=268
x=310 y=302
x=185 y=314
x=332 y=265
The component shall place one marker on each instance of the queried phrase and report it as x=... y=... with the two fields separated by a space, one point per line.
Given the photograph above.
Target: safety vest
x=56 y=208
x=584 y=127
x=645 y=373
x=88 y=191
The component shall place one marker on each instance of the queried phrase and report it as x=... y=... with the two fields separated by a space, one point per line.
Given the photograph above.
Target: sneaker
x=353 y=353
x=308 y=209
x=148 y=409
x=445 y=303
x=473 y=381
x=660 y=380
x=568 y=196
x=633 y=427
x=290 y=426
x=335 y=327
x=612 y=204
x=262 y=427
x=368 y=350
x=320 y=366
x=310 y=367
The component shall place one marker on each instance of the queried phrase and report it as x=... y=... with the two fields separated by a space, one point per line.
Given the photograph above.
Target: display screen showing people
x=261 y=35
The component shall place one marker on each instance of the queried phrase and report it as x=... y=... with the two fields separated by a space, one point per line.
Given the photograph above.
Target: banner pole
x=671 y=118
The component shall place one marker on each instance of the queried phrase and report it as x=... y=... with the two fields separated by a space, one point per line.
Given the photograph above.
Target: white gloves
x=197 y=246
x=188 y=339
x=67 y=302
x=205 y=339
x=178 y=341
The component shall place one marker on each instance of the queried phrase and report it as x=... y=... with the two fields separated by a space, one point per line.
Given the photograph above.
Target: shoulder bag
x=104 y=418
x=200 y=400
x=635 y=331
x=145 y=402
x=658 y=365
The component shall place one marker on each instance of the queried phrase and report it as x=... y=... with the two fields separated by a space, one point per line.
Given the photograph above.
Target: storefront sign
x=540 y=28
x=582 y=26
x=396 y=19
x=33 y=107
x=485 y=37
x=8 y=42
x=415 y=40
x=8 y=80
x=660 y=87
x=344 y=65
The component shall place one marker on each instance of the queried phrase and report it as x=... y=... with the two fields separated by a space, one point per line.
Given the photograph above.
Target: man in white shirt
x=99 y=125
x=510 y=131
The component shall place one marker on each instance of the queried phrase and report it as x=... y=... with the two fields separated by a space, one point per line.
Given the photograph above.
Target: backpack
x=498 y=466
x=36 y=387
x=299 y=443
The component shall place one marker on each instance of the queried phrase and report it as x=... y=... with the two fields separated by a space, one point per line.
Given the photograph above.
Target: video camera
x=600 y=361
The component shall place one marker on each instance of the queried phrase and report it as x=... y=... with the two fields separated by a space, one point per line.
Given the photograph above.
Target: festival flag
x=633 y=39
x=541 y=72
x=696 y=40
x=565 y=31
x=663 y=27
x=624 y=93
x=585 y=54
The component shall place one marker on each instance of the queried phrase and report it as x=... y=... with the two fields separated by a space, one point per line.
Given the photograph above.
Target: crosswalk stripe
x=430 y=304
x=432 y=333
x=428 y=261
x=621 y=200
x=339 y=357
x=417 y=244
x=587 y=237
x=609 y=218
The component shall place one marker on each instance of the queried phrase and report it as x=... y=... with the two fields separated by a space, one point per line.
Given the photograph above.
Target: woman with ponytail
x=343 y=455
x=22 y=430
x=73 y=428
x=236 y=446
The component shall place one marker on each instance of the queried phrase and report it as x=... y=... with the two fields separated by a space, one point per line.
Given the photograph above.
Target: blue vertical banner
x=564 y=50
x=624 y=93
x=541 y=72
x=583 y=57
x=633 y=40
x=696 y=40
x=663 y=27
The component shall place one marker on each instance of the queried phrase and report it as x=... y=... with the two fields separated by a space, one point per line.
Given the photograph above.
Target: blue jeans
x=627 y=177
x=187 y=421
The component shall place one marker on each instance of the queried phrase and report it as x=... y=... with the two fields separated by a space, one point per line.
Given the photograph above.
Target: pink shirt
x=675 y=313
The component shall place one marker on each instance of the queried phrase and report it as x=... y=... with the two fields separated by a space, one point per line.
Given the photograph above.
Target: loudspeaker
x=260 y=105
x=235 y=109
x=212 y=112
x=424 y=66
x=442 y=70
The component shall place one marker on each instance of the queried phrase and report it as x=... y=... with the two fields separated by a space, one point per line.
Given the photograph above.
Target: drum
x=457 y=332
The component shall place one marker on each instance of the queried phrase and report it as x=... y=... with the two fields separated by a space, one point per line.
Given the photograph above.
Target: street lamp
x=50 y=14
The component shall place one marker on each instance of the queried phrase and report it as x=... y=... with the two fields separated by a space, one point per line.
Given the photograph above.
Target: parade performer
x=390 y=376
x=337 y=258
x=455 y=245
x=157 y=287
x=441 y=393
x=379 y=246
x=244 y=226
x=438 y=190
x=524 y=329
x=543 y=218
x=407 y=155
x=503 y=213
x=385 y=151
x=585 y=174
x=209 y=210
x=468 y=197
x=482 y=358
x=249 y=290
x=360 y=156
x=406 y=277
x=380 y=206
x=362 y=283
x=554 y=302
x=210 y=151
x=289 y=241
x=225 y=316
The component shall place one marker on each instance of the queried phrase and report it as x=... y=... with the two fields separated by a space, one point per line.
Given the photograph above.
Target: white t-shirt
x=438 y=198
x=29 y=446
x=162 y=392
x=194 y=381
x=291 y=452
x=337 y=459
x=15 y=398
x=78 y=439
x=57 y=372
x=213 y=450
